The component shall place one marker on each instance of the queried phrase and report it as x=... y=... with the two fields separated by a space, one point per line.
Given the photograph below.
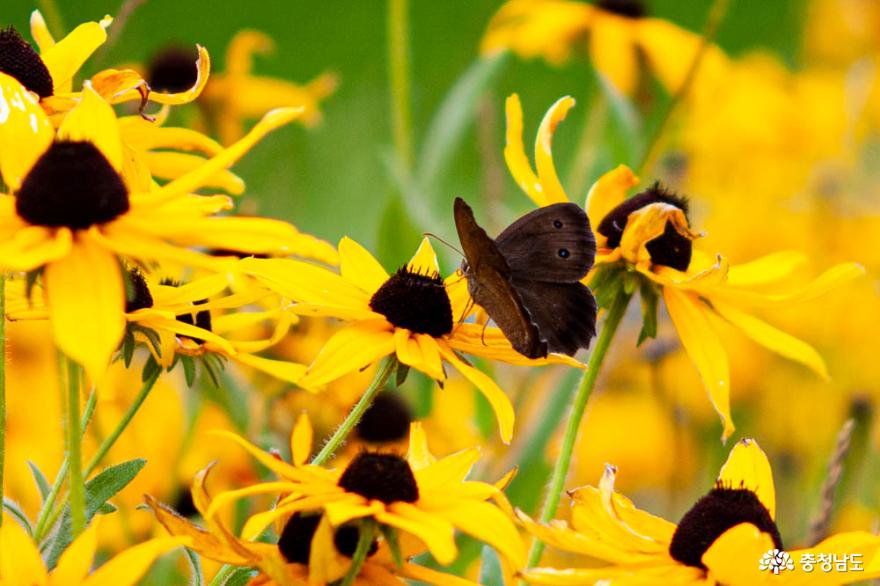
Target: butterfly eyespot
x=557 y=224
x=564 y=253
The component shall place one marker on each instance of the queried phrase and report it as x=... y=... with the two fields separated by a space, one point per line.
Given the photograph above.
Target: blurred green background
x=334 y=179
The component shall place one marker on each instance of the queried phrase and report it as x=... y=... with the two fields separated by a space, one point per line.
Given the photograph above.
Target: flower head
x=720 y=540
x=410 y=314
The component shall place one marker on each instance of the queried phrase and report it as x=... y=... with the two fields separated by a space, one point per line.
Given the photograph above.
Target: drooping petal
x=76 y=561
x=515 y=154
x=64 y=58
x=747 y=466
x=831 y=279
x=203 y=70
x=491 y=343
x=437 y=534
x=766 y=269
x=607 y=193
x=774 y=339
x=301 y=440
x=704 y=348
x=146 y=135
x=352 y=507
x=407 y=349
x=93 y=120
x=32 y=247
x=86 y=299
x=487 y=523
x=20 y=561
x=614 y=53
x=25 y=131
x=497 y=399
x=424 y=261
x=282 y=469
x=281 y=369
x=128 y=567
x=348 y=350
x=360 y=267
x=418 y=456
x=646 y=224
x=550 y=184
x=170 y=165
x=229 y=497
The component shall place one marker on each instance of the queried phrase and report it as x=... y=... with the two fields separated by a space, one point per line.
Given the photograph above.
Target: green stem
x=110 y=440
x=2 y=385
x=713 y=21
x=398 y=56
x=46 y=511
x=578 y=406
x=365 y=540
x=354 y=416
x=74 y=452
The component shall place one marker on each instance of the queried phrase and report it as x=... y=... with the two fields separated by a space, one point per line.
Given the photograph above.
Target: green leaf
x=649 y=296
x=106 y=509
x=153 y=339
x=189 y=370
x=490 y=568
x=456 y=113
x=197 y=577
x=99 y=490
x=16 y=511
x=41 y=481
x=240 y=577
x=214 y=367
x=151 y=369
x=128 y=344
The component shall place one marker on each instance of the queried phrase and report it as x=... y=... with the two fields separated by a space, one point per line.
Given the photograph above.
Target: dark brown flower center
x=138 y=295
x=714 y=514
x=200 y=319
x=184 y=504
x=386 y=420
x=416 y=302
x=72 y=184
x=173 y=69
x=628 y=8
x=670 y=249
x=19 y=60
x=295 y=542
x=382 y=477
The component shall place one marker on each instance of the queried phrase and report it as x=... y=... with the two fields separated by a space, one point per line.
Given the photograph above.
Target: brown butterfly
x=528 y=279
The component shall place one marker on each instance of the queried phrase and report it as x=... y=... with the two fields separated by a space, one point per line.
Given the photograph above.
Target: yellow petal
x=203 y=69
x=229 y=497
x=349 y=349
x=241 y=49
x=128 y=567
x=448 y=471
x=360 y=267
x=282 y=469
x=435 y=533
x=407 y=348
x=735 y=556
x=607 y=193
x=86 y=299
x=747 y=467
x=147 y=135
x=194 y=180
x=301 y=440
x=613 y=52
x=64 y=58
x=170 y=165
x=669 y=50
x=488 y=524
x=281 y=369
x=776 y=340
x=40 y=32
x=25 y=131
x=491 y=343
x=431 y=363
x=20 y=561
x=76 y=561
x=767 y=269
x=93 y=120
x=515 y=154
x=497 y=399
x=425 y=259
x=418 y=456
x=352 y=507
x=646 y=224
x=552 y=188
x=35 y=246
x=705 y=350
x=304 y=282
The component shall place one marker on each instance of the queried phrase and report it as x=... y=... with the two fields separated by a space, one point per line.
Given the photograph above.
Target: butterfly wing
x=552 y=243
x=489 y=285
x=565 y=313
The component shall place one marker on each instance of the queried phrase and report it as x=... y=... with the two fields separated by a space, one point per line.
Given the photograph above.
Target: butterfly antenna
x=434 y=236
x=467 y=310
x=483 y=333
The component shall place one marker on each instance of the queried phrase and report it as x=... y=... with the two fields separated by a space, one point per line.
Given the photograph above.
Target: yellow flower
x=21 y=564
x=74 y=205
x=236 y=95
x=317 y=537
x=409 y=314
x=648 y=236
x=720 y=540
x=616 y=32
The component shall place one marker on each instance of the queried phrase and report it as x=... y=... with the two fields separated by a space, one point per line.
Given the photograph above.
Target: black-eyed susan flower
x=74 y=204
x=316 y=518
x=408 y=314
x=236 y=95
x=618 y=35
x=720 y=540
x=22 y=565
x=648 y=235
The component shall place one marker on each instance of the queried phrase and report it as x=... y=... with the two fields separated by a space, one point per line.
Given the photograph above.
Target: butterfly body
x=528 y=278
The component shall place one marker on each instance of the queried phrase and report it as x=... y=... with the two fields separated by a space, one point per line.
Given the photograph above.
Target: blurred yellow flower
x=617 y=33
x=408 y=314
x=237 y=95
x=720 y=540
